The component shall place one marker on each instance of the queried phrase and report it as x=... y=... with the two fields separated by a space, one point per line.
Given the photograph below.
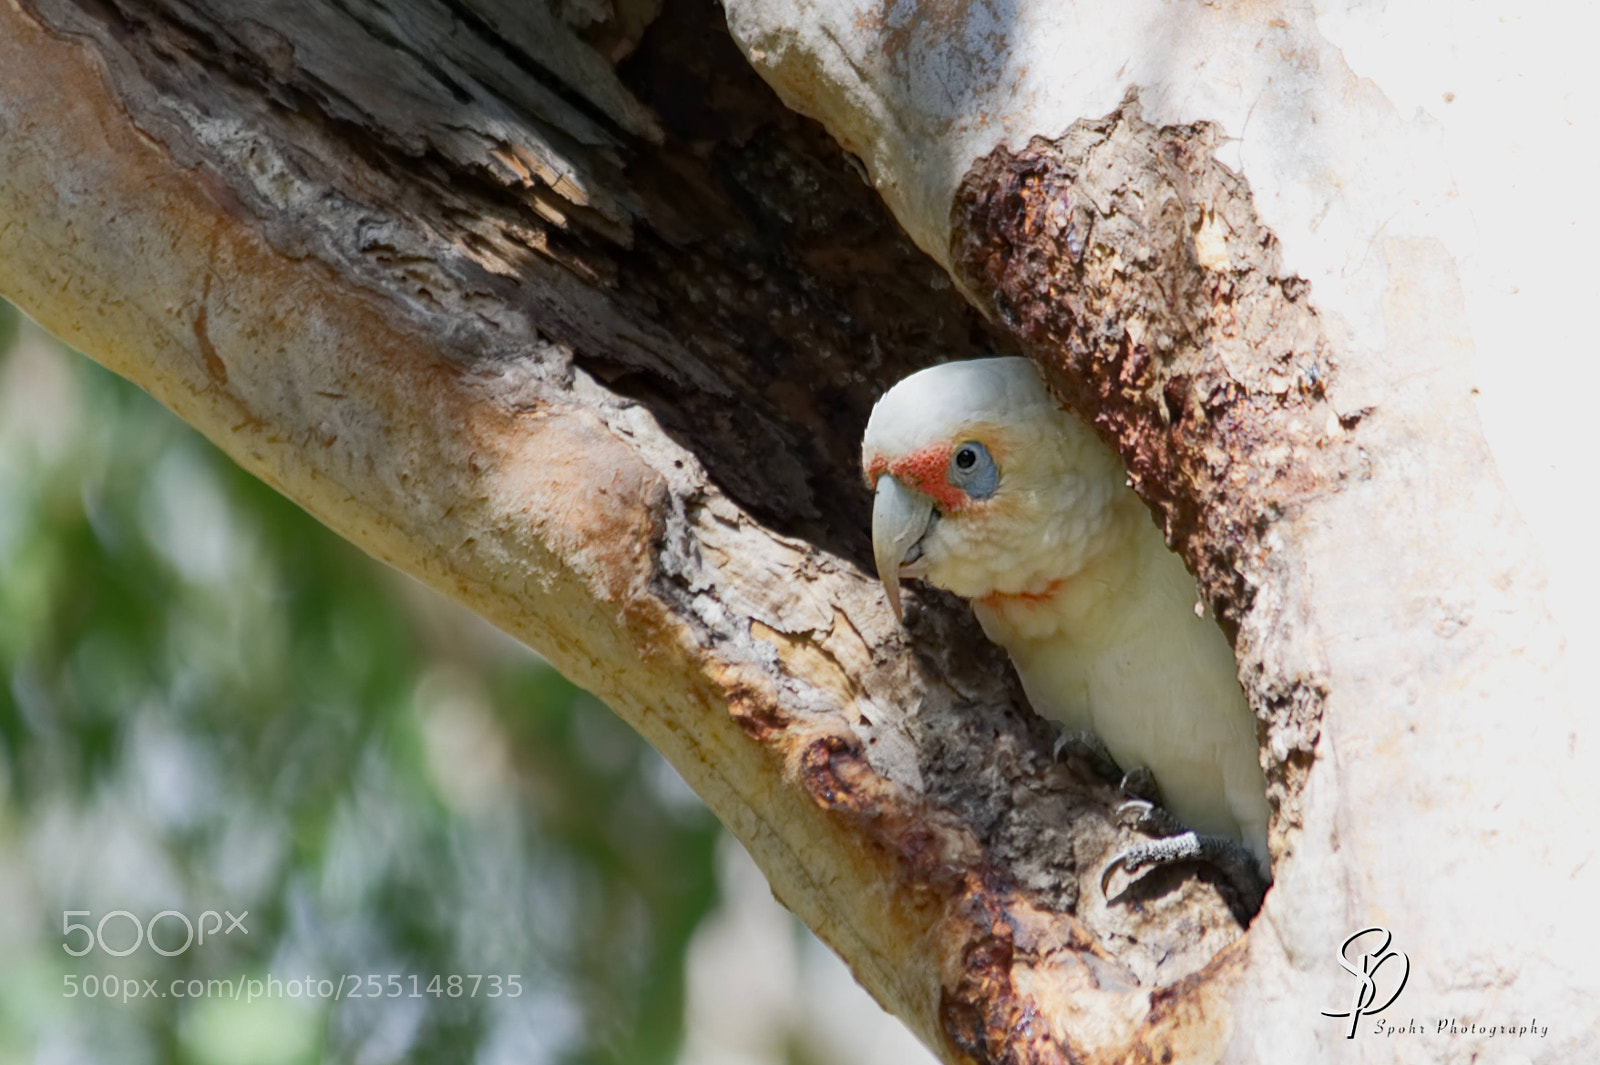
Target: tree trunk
x=559 y=309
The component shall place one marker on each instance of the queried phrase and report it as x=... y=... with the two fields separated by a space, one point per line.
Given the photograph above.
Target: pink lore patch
x=925 y=471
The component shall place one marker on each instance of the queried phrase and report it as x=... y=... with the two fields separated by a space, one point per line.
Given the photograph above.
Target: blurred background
x=210 y=704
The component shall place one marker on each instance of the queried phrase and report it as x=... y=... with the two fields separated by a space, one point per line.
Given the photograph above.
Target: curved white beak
x=899 y=518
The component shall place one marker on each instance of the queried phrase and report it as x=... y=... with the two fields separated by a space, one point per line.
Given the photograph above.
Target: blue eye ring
x=973 y=470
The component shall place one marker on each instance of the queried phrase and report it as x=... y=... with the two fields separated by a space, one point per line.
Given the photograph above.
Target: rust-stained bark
x=580 y=326
x=1132 y=265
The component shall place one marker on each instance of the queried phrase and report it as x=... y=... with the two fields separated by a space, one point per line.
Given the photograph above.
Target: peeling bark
x=1132 y=263
x=587 y=342
x=577 y=323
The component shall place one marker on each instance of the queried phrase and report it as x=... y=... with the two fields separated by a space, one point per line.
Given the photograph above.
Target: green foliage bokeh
x=209 y=702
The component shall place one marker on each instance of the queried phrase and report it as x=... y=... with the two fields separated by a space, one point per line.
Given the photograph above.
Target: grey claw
x=1165 y=851
x=1228 y=856
x=1140 y=783
x=1134 y=813
x=1087 y=745
x=1145 y=816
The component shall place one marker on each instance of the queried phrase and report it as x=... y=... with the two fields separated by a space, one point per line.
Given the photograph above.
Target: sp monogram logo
x=1366 y=970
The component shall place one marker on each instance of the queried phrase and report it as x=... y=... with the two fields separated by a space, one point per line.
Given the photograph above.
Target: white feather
x=1068 y=573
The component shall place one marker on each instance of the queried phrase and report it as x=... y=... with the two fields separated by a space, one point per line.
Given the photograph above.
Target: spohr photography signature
x=1366 y=971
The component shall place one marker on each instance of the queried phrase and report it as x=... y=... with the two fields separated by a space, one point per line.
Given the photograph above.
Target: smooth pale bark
x=579 y=325
x=574 y=323
x=1388 y=580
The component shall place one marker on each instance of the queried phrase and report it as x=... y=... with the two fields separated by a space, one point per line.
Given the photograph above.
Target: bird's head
x=982 y=483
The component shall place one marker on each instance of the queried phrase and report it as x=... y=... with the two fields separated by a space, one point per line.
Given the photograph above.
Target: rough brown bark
x=1132 y=264
x=577 y=323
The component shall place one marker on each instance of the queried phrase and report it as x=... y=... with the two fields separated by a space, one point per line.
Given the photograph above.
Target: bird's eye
x=972 y=469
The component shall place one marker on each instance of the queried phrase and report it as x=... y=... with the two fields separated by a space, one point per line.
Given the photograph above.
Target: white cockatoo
x=985 y=486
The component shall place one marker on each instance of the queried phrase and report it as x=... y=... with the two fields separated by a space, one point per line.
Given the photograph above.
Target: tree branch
x=580 y=325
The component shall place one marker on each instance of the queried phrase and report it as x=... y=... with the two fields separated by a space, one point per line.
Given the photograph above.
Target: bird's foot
x=1227 y=856
x=1086 y=745
x=1139 y=783
x=1143 y=815
x=1142 y=810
